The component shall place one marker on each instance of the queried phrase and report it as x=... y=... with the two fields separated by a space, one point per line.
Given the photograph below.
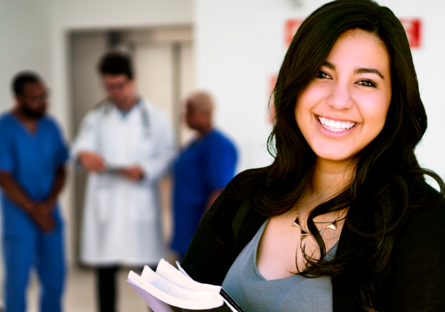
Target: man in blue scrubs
x=32 y=174
x=201 y=171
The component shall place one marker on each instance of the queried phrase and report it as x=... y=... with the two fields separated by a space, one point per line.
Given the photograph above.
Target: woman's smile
x=336 y=125
x=335 y=128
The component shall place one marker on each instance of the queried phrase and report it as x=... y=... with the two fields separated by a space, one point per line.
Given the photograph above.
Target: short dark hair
x=116 y=63
x=22 y=78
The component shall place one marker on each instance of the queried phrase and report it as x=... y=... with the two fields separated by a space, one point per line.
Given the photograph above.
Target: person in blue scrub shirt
x=32 y=174
x=201 y=171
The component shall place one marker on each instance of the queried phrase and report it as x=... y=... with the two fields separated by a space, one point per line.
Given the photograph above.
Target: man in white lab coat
x=126 y=144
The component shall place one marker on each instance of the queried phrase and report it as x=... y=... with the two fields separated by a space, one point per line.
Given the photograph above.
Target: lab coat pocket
x=103 y=204
x=144 y=208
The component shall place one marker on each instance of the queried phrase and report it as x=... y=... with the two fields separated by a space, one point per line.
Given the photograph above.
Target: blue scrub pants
x=45 y=253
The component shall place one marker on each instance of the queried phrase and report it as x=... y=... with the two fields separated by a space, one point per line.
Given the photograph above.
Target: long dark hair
x=378 y=195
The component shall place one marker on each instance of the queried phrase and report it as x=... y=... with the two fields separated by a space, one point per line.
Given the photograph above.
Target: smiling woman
x=343 y=219
x=344 y=108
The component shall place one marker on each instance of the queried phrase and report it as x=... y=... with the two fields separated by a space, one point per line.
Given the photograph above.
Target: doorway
x=163 y=62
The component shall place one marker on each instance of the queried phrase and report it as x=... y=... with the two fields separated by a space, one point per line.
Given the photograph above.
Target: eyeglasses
x=38 y=99
x=115 y=86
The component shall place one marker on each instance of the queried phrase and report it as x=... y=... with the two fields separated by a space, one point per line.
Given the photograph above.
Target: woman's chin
x=334 y=157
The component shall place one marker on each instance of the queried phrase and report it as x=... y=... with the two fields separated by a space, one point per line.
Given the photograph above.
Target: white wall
x=24 y=41
x=239 y=44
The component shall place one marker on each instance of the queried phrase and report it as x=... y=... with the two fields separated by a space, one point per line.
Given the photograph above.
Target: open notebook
x=171 y=290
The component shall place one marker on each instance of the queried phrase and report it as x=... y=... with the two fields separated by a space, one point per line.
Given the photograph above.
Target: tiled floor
x=80 y=293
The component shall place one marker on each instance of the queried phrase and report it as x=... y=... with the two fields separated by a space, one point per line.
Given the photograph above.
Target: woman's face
x=344 y=108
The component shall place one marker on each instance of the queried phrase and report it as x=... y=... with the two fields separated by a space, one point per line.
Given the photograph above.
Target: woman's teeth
x=336 y=126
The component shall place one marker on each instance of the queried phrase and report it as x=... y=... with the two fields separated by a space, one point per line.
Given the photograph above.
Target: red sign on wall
x=413 y=28
x=290 y=28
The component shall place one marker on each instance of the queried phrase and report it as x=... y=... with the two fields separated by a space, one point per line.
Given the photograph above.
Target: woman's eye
x=322 y=75
x=367 y=83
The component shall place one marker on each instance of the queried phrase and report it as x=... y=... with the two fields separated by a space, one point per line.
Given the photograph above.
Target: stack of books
x=171 y=289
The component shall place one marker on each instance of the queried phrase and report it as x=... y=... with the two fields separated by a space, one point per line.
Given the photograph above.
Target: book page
x=171 y=274
x=169 y=290
x=171 y=294
x=233 y=308
x=159 y=306
x=154 y=303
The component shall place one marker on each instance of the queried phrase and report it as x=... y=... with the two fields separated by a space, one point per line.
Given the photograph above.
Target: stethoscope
x=107 y=106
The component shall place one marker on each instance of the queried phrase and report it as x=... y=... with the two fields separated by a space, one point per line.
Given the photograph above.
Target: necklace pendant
x=332 y=226
x=296 y=223
x=303 y=235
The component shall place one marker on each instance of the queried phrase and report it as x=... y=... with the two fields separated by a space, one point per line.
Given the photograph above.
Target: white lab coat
x=122 y=219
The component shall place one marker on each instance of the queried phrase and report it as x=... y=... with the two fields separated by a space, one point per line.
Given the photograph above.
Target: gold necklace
x=304 y=234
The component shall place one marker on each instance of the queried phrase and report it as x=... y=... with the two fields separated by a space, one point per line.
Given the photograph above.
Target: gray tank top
x=253 y=293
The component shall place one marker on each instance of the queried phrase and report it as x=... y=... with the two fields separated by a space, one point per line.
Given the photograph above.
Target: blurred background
x=231 y=48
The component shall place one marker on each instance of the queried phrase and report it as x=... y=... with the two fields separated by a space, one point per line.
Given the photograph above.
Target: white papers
x=169 y=287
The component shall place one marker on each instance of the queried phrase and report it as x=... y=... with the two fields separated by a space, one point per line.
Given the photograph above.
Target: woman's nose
x=339 y=97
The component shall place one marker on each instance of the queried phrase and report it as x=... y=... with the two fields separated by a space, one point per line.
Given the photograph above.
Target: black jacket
x=413 y=280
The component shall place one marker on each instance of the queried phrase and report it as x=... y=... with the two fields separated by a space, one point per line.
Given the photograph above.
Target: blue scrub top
x=204 y=166
x=32 y=159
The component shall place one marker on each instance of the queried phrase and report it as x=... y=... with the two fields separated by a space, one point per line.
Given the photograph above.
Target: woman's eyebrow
x=329 y=65
x=361 y=70
x=368 y=71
